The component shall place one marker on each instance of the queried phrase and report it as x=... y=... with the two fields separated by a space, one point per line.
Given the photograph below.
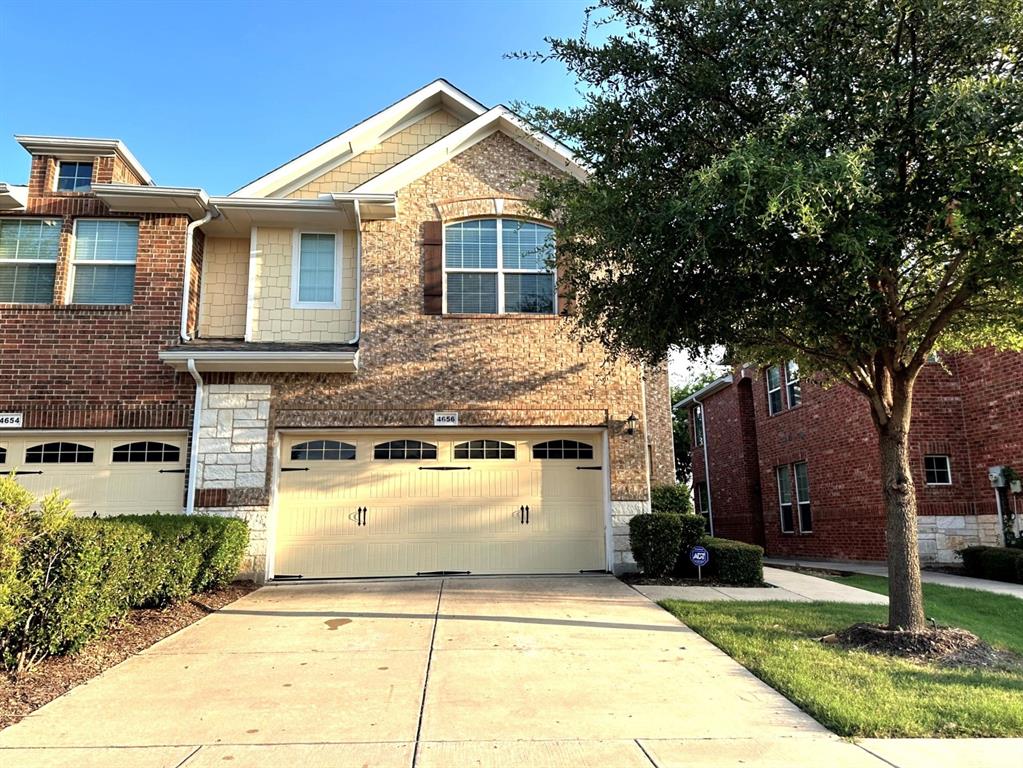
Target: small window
x=484 y=449
x=28 y=259
x=59 y=453
x=323 y=450
x=3 y=455
x=698 y=435
x=937 y=470
x=316 y=273
x=562 y=449
x=146 y=451
x=74 y=177
x=773 y=390
x=405 y=449
x=784 y=476
x=803 y=497
x=702 y=499
x=792 y=388
x=104 y=261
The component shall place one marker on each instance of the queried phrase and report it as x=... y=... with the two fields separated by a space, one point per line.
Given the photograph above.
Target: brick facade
x=967 y=408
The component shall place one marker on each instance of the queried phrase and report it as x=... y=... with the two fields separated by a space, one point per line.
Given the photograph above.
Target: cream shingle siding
x=224 y=288
x=389 y=152
x=273 y=318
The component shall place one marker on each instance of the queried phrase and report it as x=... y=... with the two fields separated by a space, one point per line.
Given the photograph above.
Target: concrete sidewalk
x=880 y=569
x=788 y=586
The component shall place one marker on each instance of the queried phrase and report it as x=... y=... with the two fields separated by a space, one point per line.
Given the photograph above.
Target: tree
x=833 y=181
x=680 y=425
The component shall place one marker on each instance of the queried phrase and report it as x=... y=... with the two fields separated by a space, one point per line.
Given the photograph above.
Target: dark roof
x=240 y=345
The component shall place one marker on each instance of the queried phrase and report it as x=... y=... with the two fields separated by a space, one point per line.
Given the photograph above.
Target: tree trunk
x=905 y=596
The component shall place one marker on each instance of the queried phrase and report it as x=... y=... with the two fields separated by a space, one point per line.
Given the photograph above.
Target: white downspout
x=706 y=465
x=211 y=213
x=193 y=454
x=358 y=274
x=646 y=436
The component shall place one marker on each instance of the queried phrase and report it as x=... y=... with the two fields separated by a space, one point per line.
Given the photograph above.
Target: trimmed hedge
x=996 y=563
x=734 y=562
x=655 y=540
x=65 y=580
x=694 y=531
x=671 y=499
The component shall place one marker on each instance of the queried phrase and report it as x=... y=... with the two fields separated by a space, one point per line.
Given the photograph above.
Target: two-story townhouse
x=366 y=353
x=793 y=466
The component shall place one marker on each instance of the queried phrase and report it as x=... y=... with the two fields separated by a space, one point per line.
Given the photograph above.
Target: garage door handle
x=172 y=471
x=524 y=515
x=360 y=515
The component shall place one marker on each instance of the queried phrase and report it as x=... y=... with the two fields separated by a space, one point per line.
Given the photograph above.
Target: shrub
x=997 y=563
x=735 y=562
x=655 y=539
x=972 y=561
x=694 y=530
x=1019 y=569
x=671 y=498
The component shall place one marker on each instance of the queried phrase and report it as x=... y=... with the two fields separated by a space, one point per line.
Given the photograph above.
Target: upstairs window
x=59 y=453
x=937 y=470
x=497 y=266
x=104 y=261
x=793 y=391
x=484 y=449
x=146 y=451
x=316 y=271
x=74 y=177
x=323 y=450
x=773 y=390
x=28 y=259
x=698 y=436
x=405 y=449
x=562 y=449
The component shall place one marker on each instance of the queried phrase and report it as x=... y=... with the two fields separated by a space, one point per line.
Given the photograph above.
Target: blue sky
x=255 y=83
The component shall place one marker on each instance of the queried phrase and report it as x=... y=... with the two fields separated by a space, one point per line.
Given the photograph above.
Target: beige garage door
x=110 y=474
x=379 y=505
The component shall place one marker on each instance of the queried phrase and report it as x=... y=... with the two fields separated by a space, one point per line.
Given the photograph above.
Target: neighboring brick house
x=374 y=366
x=795 y=467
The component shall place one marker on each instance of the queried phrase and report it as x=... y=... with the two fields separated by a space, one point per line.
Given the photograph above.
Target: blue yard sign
x=699 y=556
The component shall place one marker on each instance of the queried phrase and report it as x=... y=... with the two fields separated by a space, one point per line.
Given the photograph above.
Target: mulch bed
x=22 y=695
x=942 y=646
x=683 y=581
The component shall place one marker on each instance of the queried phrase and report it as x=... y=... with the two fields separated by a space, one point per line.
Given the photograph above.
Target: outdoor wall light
x=630 y=424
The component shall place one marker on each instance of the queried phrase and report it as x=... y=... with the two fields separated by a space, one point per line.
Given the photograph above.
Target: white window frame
x=56 y=176
x=790 y=383
x=948 y=467
x=53 y=261
x=296 y=263
x=69 y=289
x=781 y=383
x=500 y=269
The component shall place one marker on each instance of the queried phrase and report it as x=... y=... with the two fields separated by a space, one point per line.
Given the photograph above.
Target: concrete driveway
x=439 y=673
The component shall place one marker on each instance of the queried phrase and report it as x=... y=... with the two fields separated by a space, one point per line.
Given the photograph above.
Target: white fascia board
x=356 y=139
x=78 y=148
x=710 y=389
x=242 y=360
x=13 y=197
x=135 y=198
x=497 y=119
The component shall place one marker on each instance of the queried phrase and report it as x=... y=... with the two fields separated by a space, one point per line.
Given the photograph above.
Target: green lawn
x=860 y=694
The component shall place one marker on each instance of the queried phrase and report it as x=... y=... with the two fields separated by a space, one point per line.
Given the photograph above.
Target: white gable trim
x=499 y=118
x=361 y=137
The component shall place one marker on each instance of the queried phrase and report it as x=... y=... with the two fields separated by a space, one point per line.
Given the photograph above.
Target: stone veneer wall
x=233 y=436
x=941 y=535
x=254 y=561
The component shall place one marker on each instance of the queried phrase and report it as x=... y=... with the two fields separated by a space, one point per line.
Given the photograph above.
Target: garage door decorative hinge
x=445 y=469
x=294 y=469
x=596 y=467
x=29 y=472
x=171 y=471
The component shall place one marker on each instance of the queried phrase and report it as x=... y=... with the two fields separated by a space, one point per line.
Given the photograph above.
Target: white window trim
x=296 y=262
x=56 y=176
x=500 y=269
x=798 y=521
x=69 y=289
x=787 y=470
x=767 y=381
x=948 y=466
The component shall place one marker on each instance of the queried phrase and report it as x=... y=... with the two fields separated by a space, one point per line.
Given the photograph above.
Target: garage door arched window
x=3 y=455
x=484 y=449
x=59 y=453
x=405 y=449
x=323 y=450
x=563 y=449
x=145 y=451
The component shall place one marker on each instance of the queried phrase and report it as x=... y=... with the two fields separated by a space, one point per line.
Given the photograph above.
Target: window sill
x=109 y=308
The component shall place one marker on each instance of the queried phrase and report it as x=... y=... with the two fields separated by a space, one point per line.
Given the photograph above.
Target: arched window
x=497 y=266
x=146 y=451
x=322 y=450
x=484 y=449
x=405 y=449
x=562 y=449
x=59 y=453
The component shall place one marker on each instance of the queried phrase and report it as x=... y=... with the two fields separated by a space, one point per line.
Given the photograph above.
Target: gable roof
x=367 y=134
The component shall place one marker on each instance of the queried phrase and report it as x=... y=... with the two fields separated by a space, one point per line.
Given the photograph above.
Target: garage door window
x=405 y=449
x=562 y=449
x=146 y=451
x=322 y=450
x=3 y=455
x=484 y=449
x=59 y=453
